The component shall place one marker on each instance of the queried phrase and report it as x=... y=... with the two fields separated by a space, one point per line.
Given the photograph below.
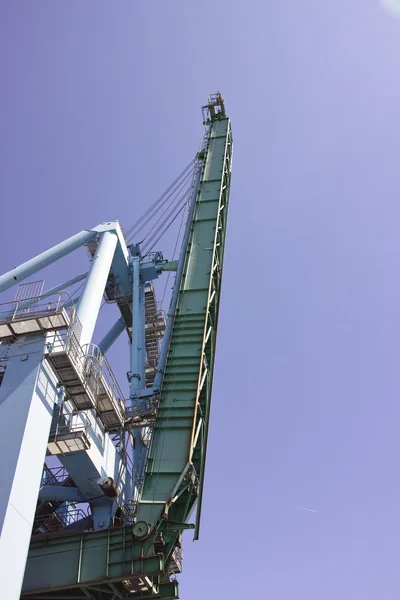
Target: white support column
x=27 y=396
x=90 y=300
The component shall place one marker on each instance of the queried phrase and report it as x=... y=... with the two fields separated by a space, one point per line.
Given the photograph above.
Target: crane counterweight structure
x=98 y=486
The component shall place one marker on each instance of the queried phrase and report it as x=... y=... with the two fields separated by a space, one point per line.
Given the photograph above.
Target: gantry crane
x=97 y=489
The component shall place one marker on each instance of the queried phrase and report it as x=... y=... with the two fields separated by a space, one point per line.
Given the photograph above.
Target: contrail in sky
x=306 y=509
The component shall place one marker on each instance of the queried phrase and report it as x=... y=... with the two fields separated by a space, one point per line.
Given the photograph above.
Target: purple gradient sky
x=99 y=111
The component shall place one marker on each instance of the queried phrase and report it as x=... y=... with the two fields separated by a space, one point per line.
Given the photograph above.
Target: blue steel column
x=138 y=351
x=27 y=396
x=90 y=300
x=138 y=355
x=46 y=258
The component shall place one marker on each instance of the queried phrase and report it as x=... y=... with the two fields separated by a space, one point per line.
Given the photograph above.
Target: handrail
x=55 y=475
x=90 y=362
x=92 y=353
x=32 y=305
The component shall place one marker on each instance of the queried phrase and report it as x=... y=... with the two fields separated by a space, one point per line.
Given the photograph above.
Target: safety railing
x=129 y=511
x=36 y=306
x=175 y=565
x=142 y=414
x=155 y=321
x=69 y=514
x=146 y=407
x=68 y=341
x=63 y=517
x=73 y=424
x=92 y=365
x=97 y=366
x=93 y=371
x=54 y=476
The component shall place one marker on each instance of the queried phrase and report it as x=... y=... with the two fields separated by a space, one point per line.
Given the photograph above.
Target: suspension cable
x=167 y=221
x=162 y=199
x=173 y=258
x=148 y=220
x=149 y=247
x=174 y=200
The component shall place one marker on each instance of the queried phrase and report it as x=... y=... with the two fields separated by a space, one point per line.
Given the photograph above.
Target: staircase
x=154 y=331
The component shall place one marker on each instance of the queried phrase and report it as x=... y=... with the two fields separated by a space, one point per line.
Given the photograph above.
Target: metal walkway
x=87 y=378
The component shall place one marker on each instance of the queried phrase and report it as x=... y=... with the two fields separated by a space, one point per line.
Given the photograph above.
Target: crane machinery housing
x=98 y=486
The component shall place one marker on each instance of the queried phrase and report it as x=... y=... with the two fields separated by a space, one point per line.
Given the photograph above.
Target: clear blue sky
x=99 y=110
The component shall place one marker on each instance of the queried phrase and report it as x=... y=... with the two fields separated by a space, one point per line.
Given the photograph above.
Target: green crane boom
x=175 y=466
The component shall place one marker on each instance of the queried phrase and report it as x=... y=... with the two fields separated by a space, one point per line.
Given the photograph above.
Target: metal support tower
x=98 y=486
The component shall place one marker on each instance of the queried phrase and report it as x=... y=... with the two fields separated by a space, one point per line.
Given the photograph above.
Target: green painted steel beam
x=81 y=559
x=181 y=429
x=171 y=265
